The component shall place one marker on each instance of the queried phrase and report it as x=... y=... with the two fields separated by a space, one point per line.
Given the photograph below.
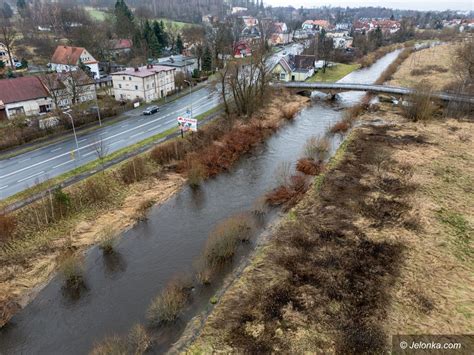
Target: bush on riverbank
x=107 y=240
x=309 y=166
x=137 y=342
x=393 y=67
x=70 y=267
x=289 y=194
x=317 y=148
x=419 y=106
x=134 y=170
x=168 y=305
x=7 y=227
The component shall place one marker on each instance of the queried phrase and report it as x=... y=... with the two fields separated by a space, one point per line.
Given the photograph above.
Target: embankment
x=381 y=244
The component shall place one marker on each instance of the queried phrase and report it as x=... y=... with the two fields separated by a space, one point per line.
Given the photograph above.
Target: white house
x=294 y=68
x=66 y=58
x=147 y=83
x=25 y=96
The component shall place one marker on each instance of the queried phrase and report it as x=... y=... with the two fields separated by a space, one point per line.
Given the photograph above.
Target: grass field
x=334 y=73
x=96 y=15
x=178 y=24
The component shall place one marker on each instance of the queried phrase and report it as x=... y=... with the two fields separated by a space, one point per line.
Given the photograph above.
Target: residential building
x=70 y=88
x=387 y=26
x=145 y=83
x=25 y=96
x=280 y=34
x=294 y=68
x=315 y=25
x=120 y=47
x=66 y=58
x=242 y=49
x=182 y=63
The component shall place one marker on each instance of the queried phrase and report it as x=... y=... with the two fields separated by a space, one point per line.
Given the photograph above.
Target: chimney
x=136 y=69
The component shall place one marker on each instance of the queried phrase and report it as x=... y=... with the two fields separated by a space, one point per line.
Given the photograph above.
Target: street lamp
x=74 y=130
x=190 y=92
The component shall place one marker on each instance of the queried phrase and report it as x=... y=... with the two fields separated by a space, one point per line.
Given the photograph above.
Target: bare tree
x=7 y=36
x=101 y=151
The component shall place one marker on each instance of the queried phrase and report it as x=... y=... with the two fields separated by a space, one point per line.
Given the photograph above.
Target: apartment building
x=147 y=83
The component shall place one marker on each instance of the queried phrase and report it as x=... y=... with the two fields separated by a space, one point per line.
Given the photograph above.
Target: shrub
x=107 y=240
x=168 y=305
x=167 y=152
x=138 y=340
x=8 y=225
x=289 y=111
x=340 y=127
x=204 y=272
x=196 y=171
x=97 y=189
x=317 y=148
x=133 y=170
x=143 y=208
x=288 y=195
x=419 y=105
x=113 y=345
x=71 y=269
x=309 y=167
x=223 y=240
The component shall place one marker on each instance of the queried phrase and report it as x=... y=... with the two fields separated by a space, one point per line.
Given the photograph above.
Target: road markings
x=120 y=140
x=81 y=140
x=31 y=176
x=55 y=150
x=3 y=187
x=105 y=139
x=57 y=166
x=137 y=134
x=23 y=160
x=87 y=154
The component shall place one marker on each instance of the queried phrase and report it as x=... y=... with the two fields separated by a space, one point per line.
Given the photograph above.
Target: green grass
x=178 y=24
x=95 y=14
x=334 y=73
x=460 y=230
x=96 y=163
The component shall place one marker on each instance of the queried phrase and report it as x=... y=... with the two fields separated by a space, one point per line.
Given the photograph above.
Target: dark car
x=151 y=110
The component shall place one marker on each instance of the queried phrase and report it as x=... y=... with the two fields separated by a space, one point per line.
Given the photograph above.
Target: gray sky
x=396 y=4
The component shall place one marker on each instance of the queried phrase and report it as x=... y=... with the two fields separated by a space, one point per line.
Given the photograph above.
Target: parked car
x=151 y=110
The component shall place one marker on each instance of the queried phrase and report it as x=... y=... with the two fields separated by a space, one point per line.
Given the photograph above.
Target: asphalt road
x=28 y=169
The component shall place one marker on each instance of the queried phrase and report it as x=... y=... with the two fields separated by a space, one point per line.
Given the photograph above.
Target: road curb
x=79 y=177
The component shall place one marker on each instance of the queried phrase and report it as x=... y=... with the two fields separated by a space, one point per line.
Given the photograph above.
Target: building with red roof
x=26 y=96
x=67 y=58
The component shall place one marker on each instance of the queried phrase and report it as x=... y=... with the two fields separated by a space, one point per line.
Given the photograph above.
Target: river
x=120 y=289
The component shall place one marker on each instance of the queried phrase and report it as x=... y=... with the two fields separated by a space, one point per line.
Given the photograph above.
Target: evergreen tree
x=124 y=24
x=207 y=60
x=21 y=4
x=179 y=44
x=160 y=33
x=6 y=11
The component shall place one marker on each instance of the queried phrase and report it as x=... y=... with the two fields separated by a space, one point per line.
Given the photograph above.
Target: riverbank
x=380 y=245
x=29 y=260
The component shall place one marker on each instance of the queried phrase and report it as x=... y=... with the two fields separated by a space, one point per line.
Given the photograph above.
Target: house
x=25 y=96
x=147 y=83
x=249 y=21
x=66 y=58
x=242 y=49
x=280 y=34
x=315 y=25
x=70 y=88
x=120 y=47
x=183 y=64
x=294 y=68
x=387 y=26
x=238 y=9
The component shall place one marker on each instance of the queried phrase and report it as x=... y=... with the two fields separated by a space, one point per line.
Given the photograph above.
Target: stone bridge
x=379 y=89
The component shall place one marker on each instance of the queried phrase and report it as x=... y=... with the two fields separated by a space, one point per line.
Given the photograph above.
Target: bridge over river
x=380 y=89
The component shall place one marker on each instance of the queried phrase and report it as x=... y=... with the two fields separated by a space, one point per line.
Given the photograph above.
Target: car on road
x=151 y=110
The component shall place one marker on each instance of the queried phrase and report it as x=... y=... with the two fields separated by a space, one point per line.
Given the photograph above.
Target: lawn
x=178 y=24
x=334 y=73
x=95 y=14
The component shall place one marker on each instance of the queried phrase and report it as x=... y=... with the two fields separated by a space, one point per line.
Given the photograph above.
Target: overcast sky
x=396 y=4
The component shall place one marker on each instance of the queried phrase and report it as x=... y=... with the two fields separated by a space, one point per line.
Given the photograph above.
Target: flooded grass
x=168 y=305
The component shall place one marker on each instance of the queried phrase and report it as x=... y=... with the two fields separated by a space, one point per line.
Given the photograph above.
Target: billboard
x=188 y=124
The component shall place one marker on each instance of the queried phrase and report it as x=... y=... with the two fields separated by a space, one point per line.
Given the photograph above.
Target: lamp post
x=74 y=130
x=190 y=92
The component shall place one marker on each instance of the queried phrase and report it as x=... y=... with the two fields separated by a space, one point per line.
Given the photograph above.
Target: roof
x=55 y=81
x=67 y=55
x=144 y=71
x=320 y=23
x=21 y=89
x=293 y=63
x=118 y=44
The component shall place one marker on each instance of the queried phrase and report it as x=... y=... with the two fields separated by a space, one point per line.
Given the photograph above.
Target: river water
x=120 y=288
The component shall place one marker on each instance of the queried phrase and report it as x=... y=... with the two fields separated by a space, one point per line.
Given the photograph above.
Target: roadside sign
x=136 y=104
x=187 y=124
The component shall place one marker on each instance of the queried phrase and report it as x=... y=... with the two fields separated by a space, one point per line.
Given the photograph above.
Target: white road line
x=23 y=160
x=111 y=144
x=29 y=177
x=87 y=154
x=55 y=150
x=91 y=144
x=81 y=140
x=3 y=187
x=57 y=166
x=137 y=134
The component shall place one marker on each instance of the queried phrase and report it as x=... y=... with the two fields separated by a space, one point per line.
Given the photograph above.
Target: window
x=120 y=86
x=123 y=77
x=136 y=87
x=282 y=76
x=130 y=78
x=16 y=111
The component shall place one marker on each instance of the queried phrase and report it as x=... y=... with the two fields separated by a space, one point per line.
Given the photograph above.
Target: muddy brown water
x=121 y=287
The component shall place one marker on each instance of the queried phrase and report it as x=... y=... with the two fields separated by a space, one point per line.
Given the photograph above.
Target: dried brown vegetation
x=309 y=167
x=290 y=194
x=393 y=67
x=169 y=304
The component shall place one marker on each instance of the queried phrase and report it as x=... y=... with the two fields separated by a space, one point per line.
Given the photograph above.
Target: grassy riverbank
x=334 y=73
x=381 y=245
